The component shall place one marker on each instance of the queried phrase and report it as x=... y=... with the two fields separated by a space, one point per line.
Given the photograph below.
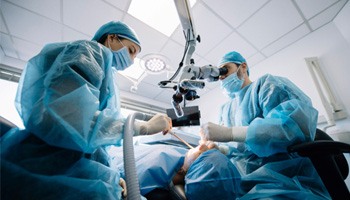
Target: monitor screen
x=191 y=116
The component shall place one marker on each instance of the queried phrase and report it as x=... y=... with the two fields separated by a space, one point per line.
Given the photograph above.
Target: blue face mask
x=121 y=58
x=232 y=84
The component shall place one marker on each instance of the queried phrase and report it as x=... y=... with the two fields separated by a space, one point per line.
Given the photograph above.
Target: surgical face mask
x=232 y=84
x=121 y=58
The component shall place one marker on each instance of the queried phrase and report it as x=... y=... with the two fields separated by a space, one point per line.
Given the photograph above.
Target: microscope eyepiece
x=223 y=71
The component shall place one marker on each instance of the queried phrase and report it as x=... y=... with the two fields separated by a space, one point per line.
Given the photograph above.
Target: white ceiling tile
x=13 y=62
x=47 y=8
x=207 y=23
x=29 y=26
x=255 y=59
x=148 y=90
x=122 y=4
x=196 y=58
x=271 y=22
x=326 y=16
x=203 y=61
x=174 y=52
x=310 y=8
x=90 y=15
x=7 y=46
x=25 y=49
x=151 y=40
x=235 y=12
x=156 y=78
x=178 y=35
x=233 y=42
x=3 y=28
x=286 y=40
x=71 y=35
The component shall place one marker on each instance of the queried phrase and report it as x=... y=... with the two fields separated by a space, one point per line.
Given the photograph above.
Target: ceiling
x=256 y=28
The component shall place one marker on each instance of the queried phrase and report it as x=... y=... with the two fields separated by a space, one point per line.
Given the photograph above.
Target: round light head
x=154 y=63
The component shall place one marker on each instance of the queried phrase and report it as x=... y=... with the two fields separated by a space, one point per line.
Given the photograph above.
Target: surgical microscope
x=190 y=76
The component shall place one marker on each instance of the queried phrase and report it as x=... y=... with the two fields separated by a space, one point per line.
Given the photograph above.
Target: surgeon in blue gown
x=257 y=124
x=69 y=103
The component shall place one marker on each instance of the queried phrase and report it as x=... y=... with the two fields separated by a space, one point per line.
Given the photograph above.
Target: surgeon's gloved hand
x=122 y=184
x=215 y=132
x=158 y=123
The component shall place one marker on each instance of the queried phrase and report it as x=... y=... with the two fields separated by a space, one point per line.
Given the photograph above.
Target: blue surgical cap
x=119 y=28
x=212 y=176
x=232 y=57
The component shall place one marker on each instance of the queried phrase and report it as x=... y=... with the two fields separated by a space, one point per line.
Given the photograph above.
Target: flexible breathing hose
x=132 y=182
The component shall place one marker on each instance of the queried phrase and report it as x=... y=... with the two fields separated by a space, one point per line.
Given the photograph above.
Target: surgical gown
x=69 y=104
x=278 y=115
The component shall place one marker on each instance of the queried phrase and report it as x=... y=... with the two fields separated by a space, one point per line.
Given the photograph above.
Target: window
x=7 y=106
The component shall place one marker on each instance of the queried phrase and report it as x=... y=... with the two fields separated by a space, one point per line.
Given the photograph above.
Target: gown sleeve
x=288 y=117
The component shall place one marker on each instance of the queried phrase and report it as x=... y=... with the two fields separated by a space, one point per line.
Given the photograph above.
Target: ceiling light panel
x=146 y=35
x=159 y=14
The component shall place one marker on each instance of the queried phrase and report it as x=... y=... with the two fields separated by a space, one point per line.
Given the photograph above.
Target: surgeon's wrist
x=239 y=133
x=140 y=128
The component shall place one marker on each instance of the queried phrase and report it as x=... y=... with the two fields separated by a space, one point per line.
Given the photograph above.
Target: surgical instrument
x=182 y=140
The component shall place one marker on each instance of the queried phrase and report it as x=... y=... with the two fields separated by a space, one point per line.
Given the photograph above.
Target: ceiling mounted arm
x=186 y=19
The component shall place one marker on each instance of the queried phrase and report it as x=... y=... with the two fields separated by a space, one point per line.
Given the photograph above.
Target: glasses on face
x=119 y=40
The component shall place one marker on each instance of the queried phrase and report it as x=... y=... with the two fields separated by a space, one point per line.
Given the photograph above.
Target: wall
x=328 y=44
x=342 y=22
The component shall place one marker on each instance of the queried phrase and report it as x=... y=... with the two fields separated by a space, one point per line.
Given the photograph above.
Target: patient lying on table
x=205 y=172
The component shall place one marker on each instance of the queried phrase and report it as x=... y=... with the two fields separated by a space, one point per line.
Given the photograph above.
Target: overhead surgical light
x=155 y=63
